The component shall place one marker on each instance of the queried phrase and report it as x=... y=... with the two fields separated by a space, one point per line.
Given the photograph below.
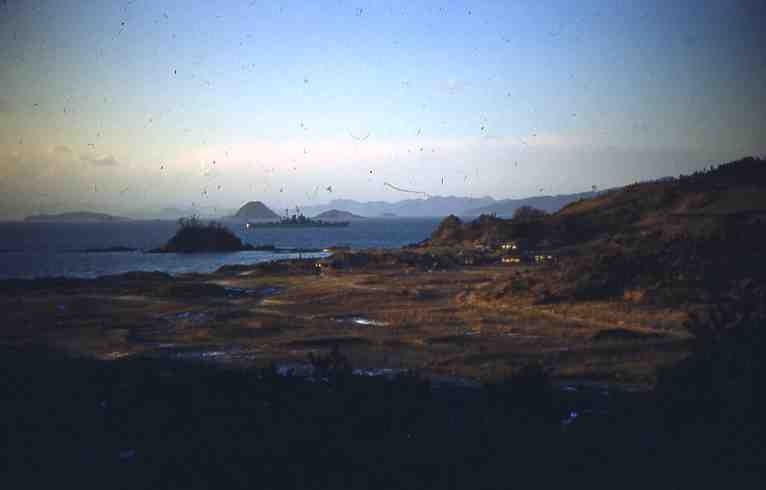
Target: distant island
x=76 y=217
x=336 y=215
x=254 y=211
x=194 y=236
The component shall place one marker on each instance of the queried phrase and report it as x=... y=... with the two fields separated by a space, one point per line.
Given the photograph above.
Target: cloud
x=100 y=161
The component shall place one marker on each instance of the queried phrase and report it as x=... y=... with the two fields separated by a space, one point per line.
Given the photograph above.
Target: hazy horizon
x=124 y=107
x=210 y=212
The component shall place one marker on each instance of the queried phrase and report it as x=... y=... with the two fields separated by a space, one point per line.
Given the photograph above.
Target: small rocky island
x=194 y=236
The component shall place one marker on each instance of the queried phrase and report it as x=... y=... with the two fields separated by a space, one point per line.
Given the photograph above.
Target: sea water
x=35 y=249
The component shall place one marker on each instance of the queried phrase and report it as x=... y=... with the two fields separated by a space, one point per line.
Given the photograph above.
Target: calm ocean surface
x=29 y=250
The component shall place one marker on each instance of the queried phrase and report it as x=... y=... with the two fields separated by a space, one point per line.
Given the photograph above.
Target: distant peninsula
x=255 y=210
x=76 y=217
x=336 y=215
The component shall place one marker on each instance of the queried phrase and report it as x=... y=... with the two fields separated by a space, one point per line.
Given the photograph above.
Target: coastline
x=435 y=322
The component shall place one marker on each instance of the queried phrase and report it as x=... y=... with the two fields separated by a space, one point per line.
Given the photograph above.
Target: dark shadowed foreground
x=145 y=423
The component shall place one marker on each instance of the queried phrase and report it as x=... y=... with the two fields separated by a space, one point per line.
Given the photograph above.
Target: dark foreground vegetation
x=194 y=236
x=144 y=423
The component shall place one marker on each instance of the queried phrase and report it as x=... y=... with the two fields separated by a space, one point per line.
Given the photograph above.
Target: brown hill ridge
x=681 y=239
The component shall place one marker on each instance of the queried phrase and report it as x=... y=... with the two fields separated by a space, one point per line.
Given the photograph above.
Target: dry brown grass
x=440 y=322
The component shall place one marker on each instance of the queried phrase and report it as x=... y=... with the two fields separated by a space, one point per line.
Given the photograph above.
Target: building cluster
x=517 y=253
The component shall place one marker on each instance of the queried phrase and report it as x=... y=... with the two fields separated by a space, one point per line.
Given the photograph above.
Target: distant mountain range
x=80 y=216
x=435 y=206
x=438 y=206
x=550 y=204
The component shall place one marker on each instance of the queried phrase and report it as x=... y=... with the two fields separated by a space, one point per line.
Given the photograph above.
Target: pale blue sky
x=125 y=106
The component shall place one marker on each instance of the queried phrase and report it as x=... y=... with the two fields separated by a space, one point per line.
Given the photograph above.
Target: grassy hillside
x=675 y=240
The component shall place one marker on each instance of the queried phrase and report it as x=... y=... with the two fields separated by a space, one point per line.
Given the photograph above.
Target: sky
x=130 y=107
